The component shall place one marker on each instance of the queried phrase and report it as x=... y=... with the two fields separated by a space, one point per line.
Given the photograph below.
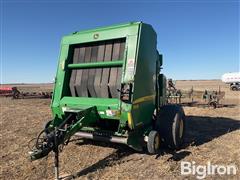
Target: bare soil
x=211 y=135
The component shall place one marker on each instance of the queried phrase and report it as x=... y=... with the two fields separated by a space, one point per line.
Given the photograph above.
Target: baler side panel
x=60 y=81
x=144 y=96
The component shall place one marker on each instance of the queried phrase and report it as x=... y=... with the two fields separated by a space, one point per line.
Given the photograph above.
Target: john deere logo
x=95 y=36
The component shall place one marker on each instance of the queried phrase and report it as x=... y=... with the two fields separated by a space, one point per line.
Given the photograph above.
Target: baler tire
x=153 y=143
x=234 y=88
x=171 y=125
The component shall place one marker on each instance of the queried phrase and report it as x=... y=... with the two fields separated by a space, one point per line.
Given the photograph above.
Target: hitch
x=51 y=137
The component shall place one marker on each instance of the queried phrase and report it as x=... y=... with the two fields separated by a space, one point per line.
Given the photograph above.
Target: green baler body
x=130 y=60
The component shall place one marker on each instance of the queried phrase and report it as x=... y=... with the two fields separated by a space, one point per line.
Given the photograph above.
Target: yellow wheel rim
x=181 y=128
x=157 y=142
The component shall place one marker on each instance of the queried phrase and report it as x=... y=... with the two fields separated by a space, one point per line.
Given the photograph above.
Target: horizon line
x=22 y=83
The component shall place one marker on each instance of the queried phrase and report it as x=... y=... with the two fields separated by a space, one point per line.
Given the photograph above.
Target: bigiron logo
x=202 y=171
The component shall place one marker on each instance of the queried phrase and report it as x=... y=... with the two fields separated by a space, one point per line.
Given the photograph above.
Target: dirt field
x=212 y=135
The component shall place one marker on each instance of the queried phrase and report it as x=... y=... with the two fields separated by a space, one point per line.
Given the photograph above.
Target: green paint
x=140 y=66
x=113 y=63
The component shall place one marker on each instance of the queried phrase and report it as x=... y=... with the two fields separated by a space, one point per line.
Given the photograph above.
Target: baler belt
x=97 y=82
x=74 y=72
x=84 y=81
x=105 y=73
x=114 y=71
x=98 y=75
x=79 y=72
x=91 y=72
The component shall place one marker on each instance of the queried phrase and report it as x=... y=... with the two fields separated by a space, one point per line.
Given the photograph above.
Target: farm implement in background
x=193 y=97
x=16 y=94
x=6 y=91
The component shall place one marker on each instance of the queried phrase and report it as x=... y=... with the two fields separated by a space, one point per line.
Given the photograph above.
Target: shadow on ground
x=202 y=129
x=206 y=105
x=199 y=130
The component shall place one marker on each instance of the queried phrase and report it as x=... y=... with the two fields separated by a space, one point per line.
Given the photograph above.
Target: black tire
x=234 y=88
x=213 y=104
x=170 y=124
x=153 y=143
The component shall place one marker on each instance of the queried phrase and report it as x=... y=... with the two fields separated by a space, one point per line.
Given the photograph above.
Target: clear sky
x=198 y=39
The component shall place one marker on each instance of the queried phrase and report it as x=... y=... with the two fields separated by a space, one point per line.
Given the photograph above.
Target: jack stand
x=56 y=165
x=56 y=158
